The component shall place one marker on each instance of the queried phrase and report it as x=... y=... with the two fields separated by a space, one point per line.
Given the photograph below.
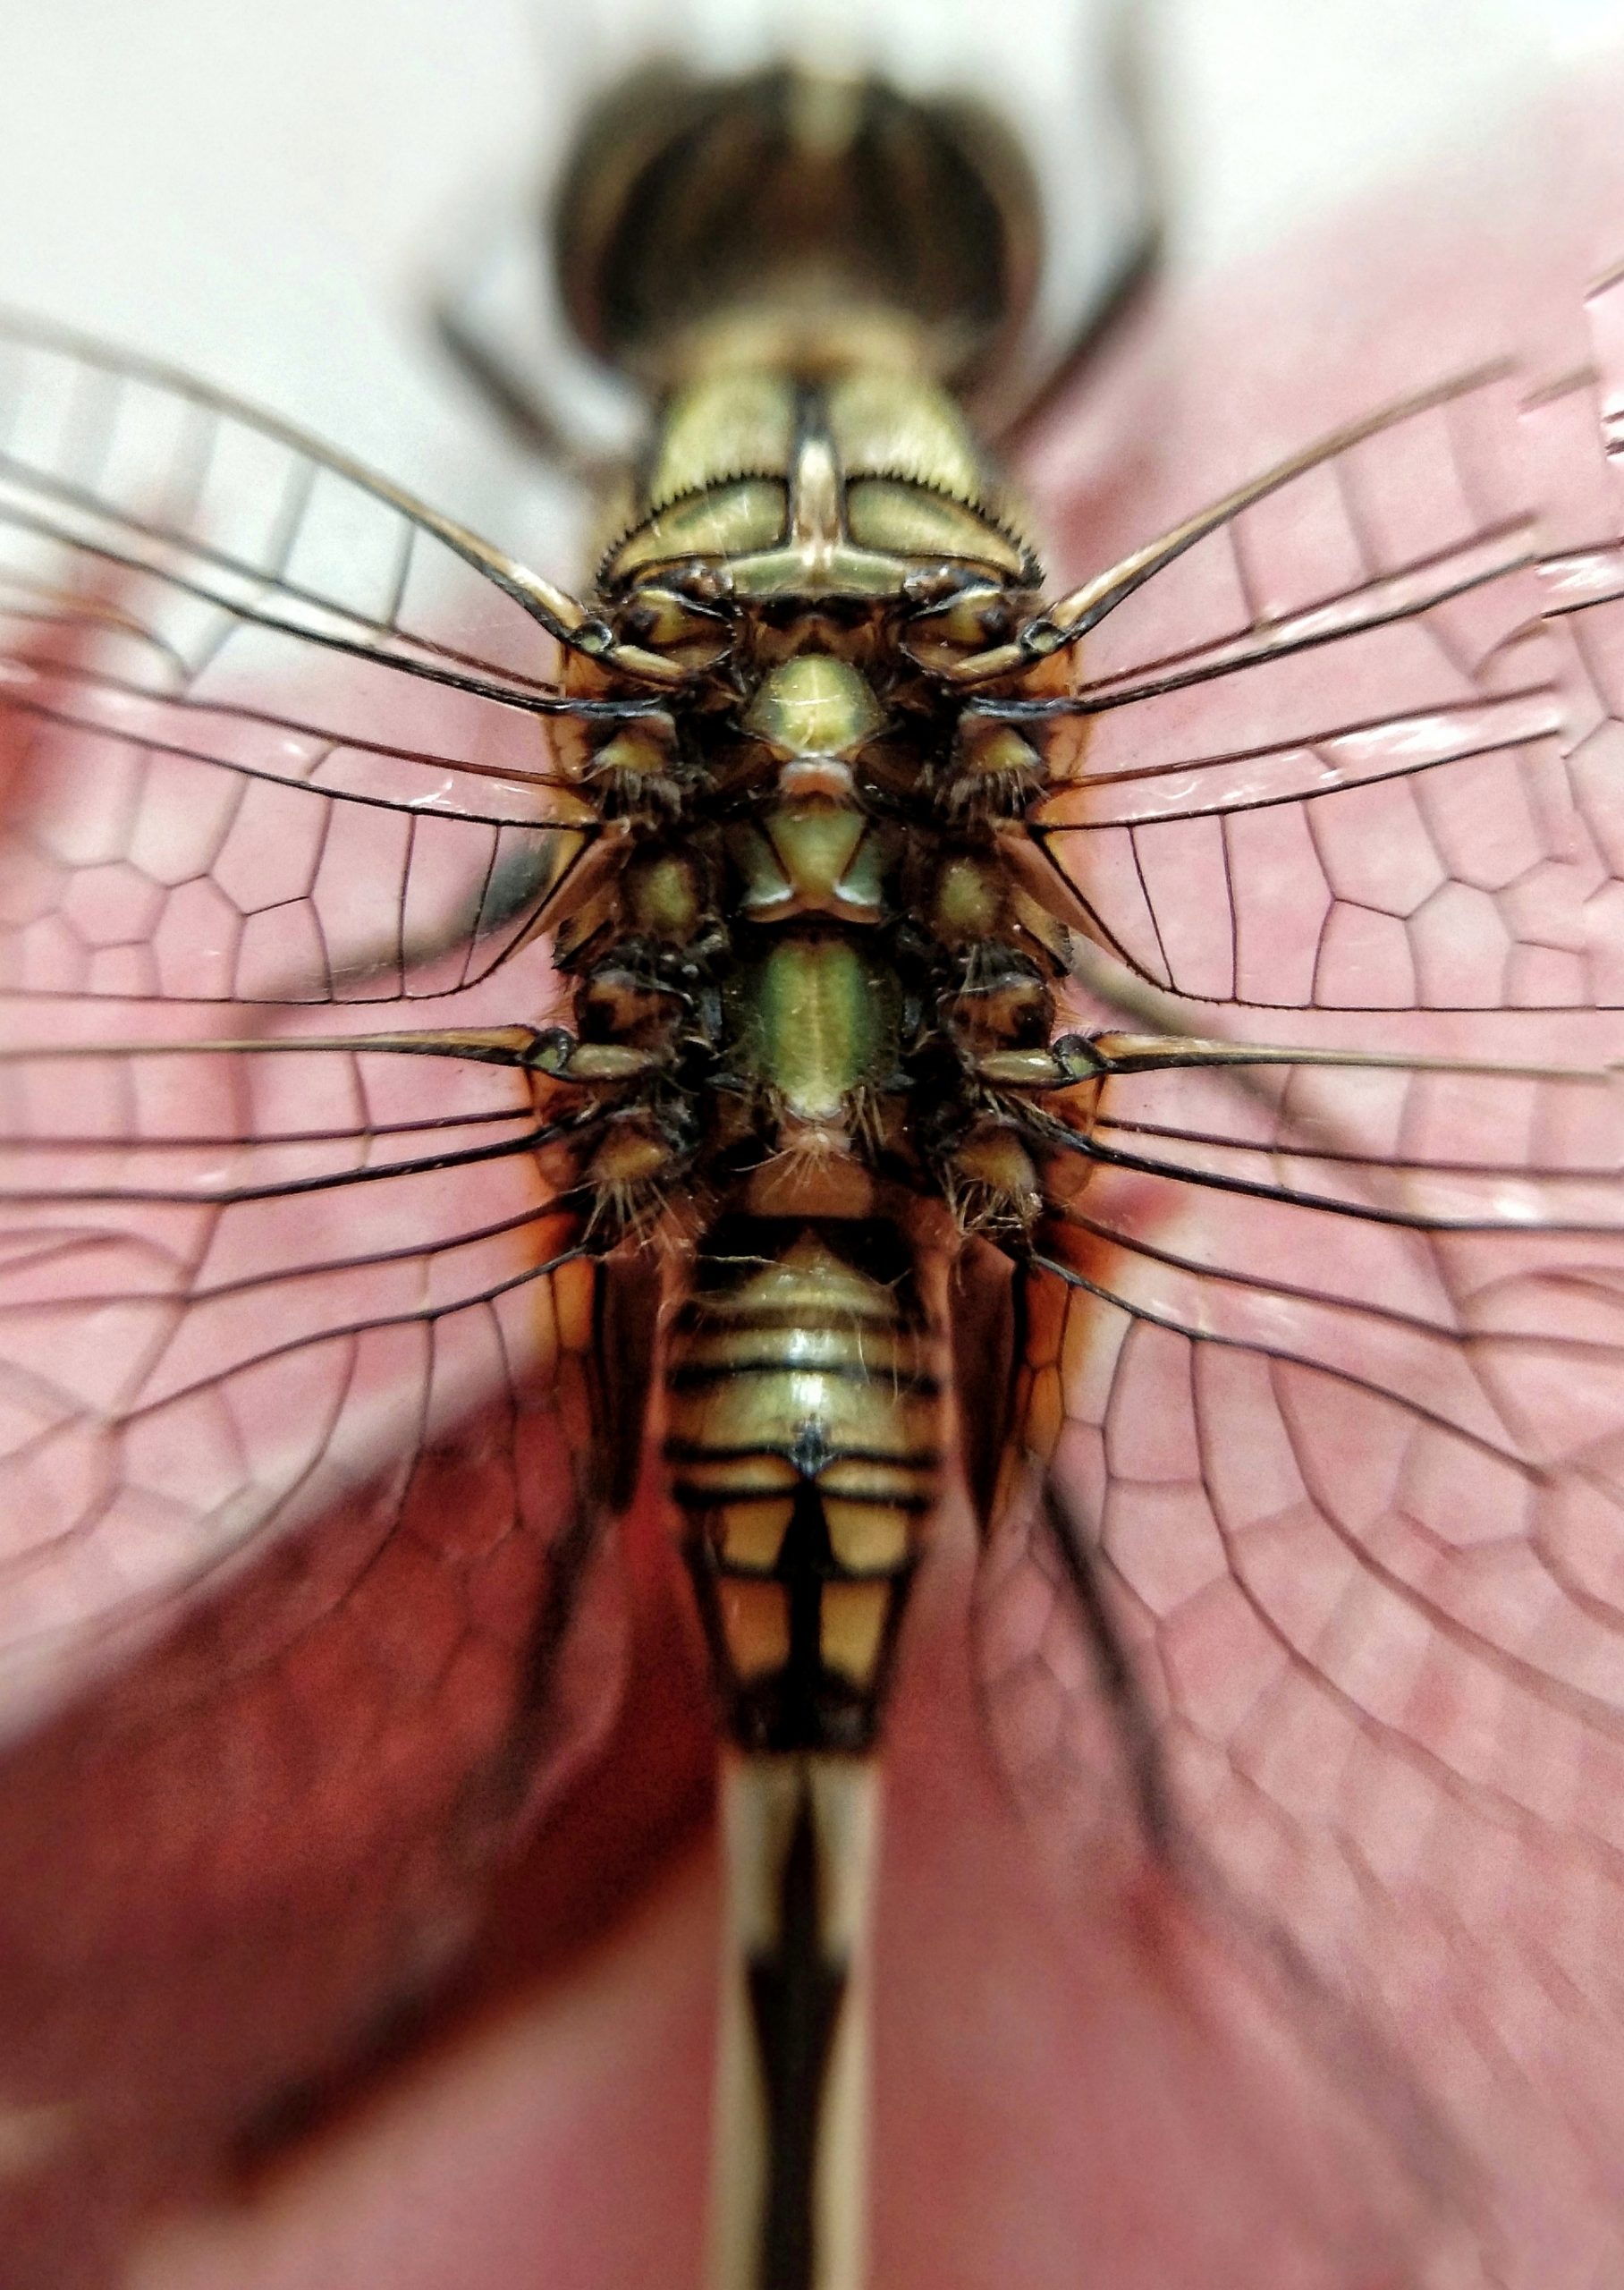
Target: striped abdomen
x=804 y=1433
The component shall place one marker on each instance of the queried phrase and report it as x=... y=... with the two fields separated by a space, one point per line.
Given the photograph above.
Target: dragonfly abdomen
x=804 y=1434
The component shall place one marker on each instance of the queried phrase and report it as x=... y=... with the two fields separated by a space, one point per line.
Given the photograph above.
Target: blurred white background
x=262 y=192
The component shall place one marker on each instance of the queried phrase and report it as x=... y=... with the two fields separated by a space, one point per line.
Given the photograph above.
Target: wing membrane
x=1331 y=1368
x=296 y=1471
x=139 y=867
x=120 y=458
x=280 y=1820
x=269 y=725
x=297 y=1428
x=235 y=1285
x=274 y=735
x=1322 y=759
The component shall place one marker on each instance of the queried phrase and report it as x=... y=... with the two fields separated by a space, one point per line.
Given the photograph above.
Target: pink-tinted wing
x=1328 y=1622
x=1321 y=1616
x=1315 y=757
x=1573 y=433
x=236 y=1286
x=299 y=1448
x=274 y=726
x=274 y=736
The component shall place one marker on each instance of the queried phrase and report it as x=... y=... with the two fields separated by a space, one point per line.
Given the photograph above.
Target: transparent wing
x=271 y=735
x=297 y=1424
x=304 y=1612
x=1329 y=1373
x=239 y=1284
x=141 y=466
x=260 y=1837
x=1572 y=432
x=271 y=724
x=1324 y=1364
x=1318 y=755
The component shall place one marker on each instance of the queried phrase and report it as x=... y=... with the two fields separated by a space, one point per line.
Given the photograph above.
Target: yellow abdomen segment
x=804 y=1433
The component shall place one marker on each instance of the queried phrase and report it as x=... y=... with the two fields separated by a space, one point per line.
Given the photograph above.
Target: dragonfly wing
x=267 y=731
x=1319 y=1629
x=143 y=467
x=302 y=1464
x=1320 y=759
x=1573 y=435
x=1327 y=1621
x=272 y=736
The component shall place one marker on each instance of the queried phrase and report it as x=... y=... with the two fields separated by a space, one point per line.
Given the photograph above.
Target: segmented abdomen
x=804 y=1431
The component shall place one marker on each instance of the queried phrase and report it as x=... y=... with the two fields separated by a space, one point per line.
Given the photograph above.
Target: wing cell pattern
x=274 y=736
x=1329 y=1356
x=1335 y=1397
x=298 y=1501
x=270 y=730
x=1323 y=758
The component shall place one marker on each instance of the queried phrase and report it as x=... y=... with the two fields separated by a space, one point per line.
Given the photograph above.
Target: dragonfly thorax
x=788 y=481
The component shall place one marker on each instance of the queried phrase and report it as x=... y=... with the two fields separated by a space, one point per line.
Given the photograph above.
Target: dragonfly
x=816 y=1028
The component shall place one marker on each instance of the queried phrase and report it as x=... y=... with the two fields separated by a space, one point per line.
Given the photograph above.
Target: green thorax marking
x=817 y=1021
